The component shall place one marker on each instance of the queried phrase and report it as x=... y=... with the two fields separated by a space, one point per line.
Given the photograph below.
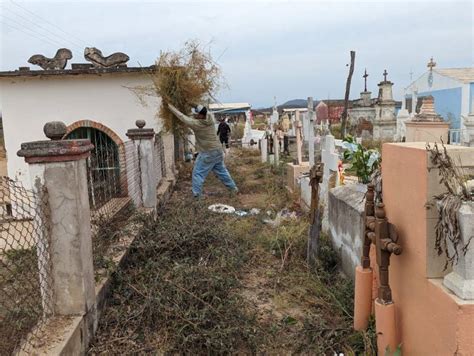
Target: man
x=211 y=157
x=223 y=132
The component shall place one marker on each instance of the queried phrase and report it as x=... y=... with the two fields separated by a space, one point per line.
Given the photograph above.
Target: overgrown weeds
x=204 y=283
x=177 y=291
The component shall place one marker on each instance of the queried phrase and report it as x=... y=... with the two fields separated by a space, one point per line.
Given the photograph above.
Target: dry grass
x=205 y=283
x=184 y=78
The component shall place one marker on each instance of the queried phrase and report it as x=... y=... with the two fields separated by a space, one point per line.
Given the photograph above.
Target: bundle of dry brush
x=184 y=79
x=447 y=228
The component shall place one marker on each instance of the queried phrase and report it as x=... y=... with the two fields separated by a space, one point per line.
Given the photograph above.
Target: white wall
x=29 y=102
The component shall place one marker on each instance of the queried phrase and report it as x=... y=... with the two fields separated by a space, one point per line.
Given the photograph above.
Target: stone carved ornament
x=58 y=62
x=95 y=56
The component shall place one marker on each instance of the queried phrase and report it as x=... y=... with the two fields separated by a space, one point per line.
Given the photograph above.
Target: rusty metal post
x=316 y=176
x=369 y=221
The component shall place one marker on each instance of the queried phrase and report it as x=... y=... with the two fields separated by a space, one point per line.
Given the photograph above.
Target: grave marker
x=310 y=118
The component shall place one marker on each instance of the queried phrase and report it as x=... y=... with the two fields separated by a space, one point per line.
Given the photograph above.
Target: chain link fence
x=25 y=265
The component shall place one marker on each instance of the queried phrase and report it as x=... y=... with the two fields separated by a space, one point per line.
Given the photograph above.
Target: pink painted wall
x=430 y=319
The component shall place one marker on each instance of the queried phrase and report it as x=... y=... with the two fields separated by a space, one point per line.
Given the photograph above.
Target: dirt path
x=280 y=305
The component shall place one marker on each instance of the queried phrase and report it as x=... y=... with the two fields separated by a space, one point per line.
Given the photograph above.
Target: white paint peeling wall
x=29 y=102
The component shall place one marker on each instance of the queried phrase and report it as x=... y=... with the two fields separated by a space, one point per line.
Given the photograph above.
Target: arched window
x=103 y=166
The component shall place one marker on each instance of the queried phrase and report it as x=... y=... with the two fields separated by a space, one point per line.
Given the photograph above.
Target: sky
x=266 y=49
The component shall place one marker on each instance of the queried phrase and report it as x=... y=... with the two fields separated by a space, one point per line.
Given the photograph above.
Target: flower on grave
x=373 y=158
x=364 y=162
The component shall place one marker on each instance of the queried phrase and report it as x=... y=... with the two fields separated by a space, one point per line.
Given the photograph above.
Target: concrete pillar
x=59 y=176
x=143 y=140
x=264 y=150
x=168 y=146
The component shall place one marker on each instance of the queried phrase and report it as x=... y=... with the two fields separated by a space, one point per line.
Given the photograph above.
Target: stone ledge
x=55 y=151
x=139 y=134
x=438 y=283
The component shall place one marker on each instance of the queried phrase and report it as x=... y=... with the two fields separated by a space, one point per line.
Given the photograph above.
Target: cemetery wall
x=346 y=224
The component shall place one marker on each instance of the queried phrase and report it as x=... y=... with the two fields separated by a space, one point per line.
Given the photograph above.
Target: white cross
x=330 y=158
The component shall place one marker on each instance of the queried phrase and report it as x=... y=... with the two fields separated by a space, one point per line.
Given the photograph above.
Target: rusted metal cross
x=431 y=64
x=382 y=234
x=365 y=79
x=385 y=73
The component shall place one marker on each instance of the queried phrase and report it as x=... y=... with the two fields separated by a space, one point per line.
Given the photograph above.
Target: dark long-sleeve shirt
x=223 y=130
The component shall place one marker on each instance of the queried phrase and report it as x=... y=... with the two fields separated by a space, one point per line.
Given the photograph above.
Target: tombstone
x=427 y=126
x=293 y=125
x=299 y=138
x=322 y=115
x=264 y=150
x=294 y=171
x=247 y=131
x=311 y=121
x=276 y=147
x=330 y=158
x=469 y=132
x=274 y=117
x=402 y=117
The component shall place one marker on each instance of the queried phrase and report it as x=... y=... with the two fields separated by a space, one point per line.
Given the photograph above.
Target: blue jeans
x=210 y=161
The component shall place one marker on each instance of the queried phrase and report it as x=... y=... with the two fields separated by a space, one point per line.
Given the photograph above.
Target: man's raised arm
x=185 y=119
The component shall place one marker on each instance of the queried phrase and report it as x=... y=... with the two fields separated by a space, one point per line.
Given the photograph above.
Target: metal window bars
x=114 y=184
x=25 y=265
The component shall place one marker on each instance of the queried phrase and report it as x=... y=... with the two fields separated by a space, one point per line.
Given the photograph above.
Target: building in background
x=96 y=103
x=453 y=93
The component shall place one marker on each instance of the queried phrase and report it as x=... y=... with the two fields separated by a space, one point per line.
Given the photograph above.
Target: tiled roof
x=465 y=75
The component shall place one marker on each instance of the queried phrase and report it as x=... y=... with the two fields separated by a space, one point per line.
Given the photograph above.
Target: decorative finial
x=431 y=64
x=380 y=211
x=385 y=73
x=411 y=75
x=55 y=130
x=140 y=124
x=365 y=79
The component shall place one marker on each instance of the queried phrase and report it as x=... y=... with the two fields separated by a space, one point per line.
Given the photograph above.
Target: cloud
x=266 y=48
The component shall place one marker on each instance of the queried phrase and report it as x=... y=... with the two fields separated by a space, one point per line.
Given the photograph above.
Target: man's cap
x=200 y=109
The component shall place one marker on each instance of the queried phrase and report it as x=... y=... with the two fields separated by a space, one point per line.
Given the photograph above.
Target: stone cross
x=330 y=159
x=299 y=137
x=311 y=131
x=385 y=73
x=365 y=79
